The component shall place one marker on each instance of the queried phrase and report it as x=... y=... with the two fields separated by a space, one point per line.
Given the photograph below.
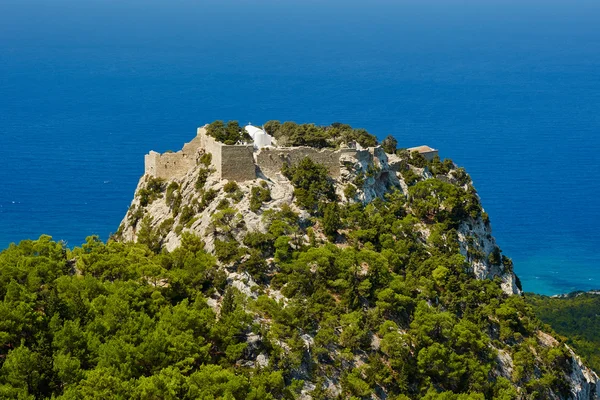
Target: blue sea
x=508 y=89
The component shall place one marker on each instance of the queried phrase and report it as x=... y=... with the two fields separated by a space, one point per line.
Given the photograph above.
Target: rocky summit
x=365 y=271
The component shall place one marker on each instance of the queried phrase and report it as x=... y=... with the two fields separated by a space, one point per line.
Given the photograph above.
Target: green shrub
x=171 y=189
x=409 y=176
x=389 y=144
x=292 y=134
x=258 y=196
x=350 y=192
x=148 y=236
x=233 y=191
x=152 y=191
x=312 y=184
x=187 y=213
x=260 y=241
x=223 y=204
x=134 y=215
x=331 y=221
x=207 y=197
x=205 y=159
x=203 y=174
x=417 y=159
x=461 y=176
x=231 y=187
x=230 y=133
x=227 y=251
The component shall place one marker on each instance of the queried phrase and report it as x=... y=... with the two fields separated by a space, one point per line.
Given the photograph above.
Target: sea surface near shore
x=510 y=91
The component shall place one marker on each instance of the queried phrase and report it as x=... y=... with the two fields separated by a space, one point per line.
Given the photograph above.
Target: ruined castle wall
x=270 y=161
x=192 y=147
x=237 y=163
x=168 y=165
x=234 y=163
x=173 y=165
x=150 y=161
x=240 y=162
x=210 y=145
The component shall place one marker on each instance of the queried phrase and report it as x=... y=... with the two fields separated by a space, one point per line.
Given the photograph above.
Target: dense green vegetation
x=312 y=185
x=340 y=295
x=128 y=324
x=293 y=134
x=258 y=196
x=576 y=316
x=228 y=133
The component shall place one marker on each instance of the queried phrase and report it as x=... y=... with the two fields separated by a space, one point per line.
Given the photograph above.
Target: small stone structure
x=173 y=165
x=426 y=151
x=243 y=162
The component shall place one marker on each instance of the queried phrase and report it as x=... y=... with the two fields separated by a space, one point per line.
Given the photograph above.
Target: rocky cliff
x=372 y=173
x=438 y=200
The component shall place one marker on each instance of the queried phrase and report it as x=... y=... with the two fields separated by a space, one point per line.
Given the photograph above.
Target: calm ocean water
x=510 y=90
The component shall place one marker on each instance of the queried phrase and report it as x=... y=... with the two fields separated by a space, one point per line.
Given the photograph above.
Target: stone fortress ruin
x=245 y=162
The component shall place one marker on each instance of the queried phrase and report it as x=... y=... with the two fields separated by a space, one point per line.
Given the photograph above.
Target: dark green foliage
x=461 y=176
x=389 y=144
x=380 y=305
x=409 y=176
x=441 y=168
x=227 y=251
x=153 y=190
x=231 y=187
x=207 y=197
x=203 y=174
x=495 y=258
x=230 y=133
x=255 y=265
x=153 y=237
x=149 y=236
x=312 y=184
x=187 y=213
x=205 y=159
x=293 y=134
x=171 y=190
x=233 y=191
x=350 y=192
x=417 y=159
x=331 y=220
x=435 y=200
x=574 y=316
x=134 y=214
x=260 y=241
x=115 y=331
x=173 y=198
x=271 y=127
x=223 y=204
x=259 y=195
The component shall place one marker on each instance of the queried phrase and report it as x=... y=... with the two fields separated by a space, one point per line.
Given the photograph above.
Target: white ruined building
x=259 y=136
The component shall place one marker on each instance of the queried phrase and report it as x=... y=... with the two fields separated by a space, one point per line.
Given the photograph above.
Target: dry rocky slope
x=182 y=207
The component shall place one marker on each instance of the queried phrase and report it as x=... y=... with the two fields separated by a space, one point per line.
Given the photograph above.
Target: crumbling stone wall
x=240 y=162
x=234 y=163
x=172 y=165
x=271 y=160
x=168 y=165
x=237 y=163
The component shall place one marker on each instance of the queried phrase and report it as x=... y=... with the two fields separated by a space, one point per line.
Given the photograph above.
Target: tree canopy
x=335 y=300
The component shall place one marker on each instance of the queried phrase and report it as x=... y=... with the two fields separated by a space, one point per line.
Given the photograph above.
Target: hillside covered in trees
x=384 y=283
x=575 y=316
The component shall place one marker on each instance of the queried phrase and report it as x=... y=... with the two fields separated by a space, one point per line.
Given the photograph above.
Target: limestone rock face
x=372 y=172
x=187 y=203
x=584 y=383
